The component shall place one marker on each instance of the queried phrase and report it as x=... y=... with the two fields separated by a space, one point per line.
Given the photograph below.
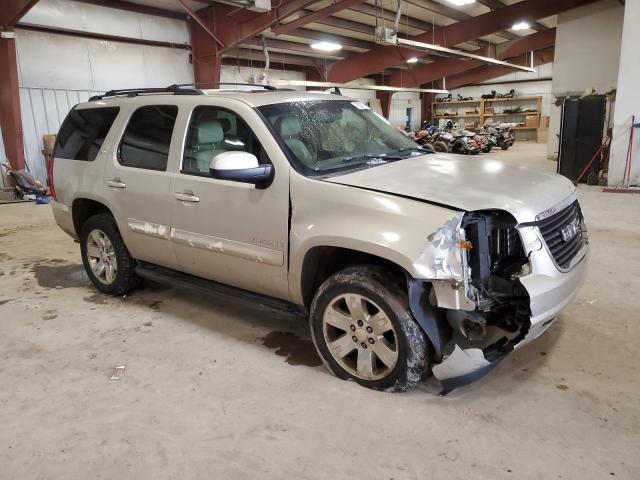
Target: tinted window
x=213 y=131
x=145 y=142
x=83 y=132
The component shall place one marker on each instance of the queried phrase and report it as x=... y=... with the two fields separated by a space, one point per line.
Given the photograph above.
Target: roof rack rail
x=134 y=92
x=177 y=89
x=214 y=84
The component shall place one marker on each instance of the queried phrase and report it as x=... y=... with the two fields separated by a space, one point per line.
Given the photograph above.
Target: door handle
x=116 y=183
x=186 y=197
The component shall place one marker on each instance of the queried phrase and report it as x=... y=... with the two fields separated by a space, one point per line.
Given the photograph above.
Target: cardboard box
x=48 y=142
x=531 y=121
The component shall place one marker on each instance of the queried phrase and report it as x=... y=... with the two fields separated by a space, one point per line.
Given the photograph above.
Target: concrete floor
x=213 y=390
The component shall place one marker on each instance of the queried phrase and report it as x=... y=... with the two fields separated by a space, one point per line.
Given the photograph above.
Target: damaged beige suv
x=407 y=262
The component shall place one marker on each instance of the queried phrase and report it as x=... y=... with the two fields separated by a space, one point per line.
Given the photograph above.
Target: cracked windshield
x=331 y=136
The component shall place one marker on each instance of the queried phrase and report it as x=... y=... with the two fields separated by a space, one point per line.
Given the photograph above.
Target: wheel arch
x=322 y=261
x=83 y=208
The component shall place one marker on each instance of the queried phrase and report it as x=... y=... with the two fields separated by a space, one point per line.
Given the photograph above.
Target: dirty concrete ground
x=215 y=389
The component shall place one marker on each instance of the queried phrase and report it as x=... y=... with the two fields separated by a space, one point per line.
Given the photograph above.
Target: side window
x=83 y=132
x=213 y=131
x=145 y=142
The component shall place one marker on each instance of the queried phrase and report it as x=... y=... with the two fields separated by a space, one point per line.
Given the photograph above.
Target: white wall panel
x=69 y=15
x=56 y=72
x=233 y=74
x=398 y=111
x=627 y=102
x=43 y=111
x=53 y=61
x=587 y=55
x=117 y=65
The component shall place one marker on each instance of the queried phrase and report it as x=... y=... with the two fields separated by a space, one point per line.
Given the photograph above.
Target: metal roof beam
x=382 y=56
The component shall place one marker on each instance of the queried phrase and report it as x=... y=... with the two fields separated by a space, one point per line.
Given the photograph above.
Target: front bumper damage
x=445 y=298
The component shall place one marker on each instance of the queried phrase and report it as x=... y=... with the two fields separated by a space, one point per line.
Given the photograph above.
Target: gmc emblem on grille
x=570 y=230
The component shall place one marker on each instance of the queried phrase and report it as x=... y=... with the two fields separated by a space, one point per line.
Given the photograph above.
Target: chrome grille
x=556 y=231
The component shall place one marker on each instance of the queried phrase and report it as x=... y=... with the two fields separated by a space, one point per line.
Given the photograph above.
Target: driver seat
x=289 y=128
x=210 y=137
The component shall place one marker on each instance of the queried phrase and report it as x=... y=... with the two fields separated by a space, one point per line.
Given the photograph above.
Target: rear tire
x=105 y=257
x=369 y=304
x=441 y=147
x=504 y=146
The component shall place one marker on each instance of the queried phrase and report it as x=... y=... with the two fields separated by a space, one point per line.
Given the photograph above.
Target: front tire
x=106 y=259
x=363 y=330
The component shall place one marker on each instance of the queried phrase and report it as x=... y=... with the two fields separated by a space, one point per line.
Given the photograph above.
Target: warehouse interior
x=173 y=382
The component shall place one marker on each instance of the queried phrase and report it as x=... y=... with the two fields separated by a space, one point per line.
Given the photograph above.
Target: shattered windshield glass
x=331 y=136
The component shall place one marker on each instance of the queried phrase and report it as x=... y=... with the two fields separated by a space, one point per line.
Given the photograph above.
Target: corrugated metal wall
x=43 y=111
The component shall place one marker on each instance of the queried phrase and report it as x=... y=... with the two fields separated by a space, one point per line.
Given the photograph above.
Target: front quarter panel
x=388 y=226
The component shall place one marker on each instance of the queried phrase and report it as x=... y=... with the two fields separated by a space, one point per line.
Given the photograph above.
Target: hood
x=466 y=183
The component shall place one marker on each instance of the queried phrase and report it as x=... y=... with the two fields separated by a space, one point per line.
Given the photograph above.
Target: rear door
x=230 y=232
x=137 y=183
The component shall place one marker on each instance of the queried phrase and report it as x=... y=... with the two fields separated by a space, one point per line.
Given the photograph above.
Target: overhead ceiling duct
x=383 y=88
x=260 y=6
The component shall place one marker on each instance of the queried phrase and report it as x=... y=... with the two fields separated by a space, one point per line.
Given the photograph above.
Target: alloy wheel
x=360 y=336
x=101 y=257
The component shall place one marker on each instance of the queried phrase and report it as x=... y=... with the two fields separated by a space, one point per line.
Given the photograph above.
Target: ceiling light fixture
x=326 y=46
x=412 y=60
x=460 y=3
x=521 y=25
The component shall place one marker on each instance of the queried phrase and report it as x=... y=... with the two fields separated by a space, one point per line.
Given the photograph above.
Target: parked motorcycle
x=500 y=135
x=439 y=141
x=465 y=143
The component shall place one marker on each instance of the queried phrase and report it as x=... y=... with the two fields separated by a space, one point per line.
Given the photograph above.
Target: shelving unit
x=457 y=105
x=529 y=120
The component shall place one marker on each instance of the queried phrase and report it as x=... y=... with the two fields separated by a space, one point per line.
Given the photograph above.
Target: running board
x=185 y=281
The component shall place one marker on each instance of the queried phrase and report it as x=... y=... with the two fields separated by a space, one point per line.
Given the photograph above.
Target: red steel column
x=385 y=102
x=426 y=101
x=10 y=118
x=205 y=55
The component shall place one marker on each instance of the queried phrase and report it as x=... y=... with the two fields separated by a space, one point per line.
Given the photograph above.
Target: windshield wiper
x=377 y=156
x=410 y=150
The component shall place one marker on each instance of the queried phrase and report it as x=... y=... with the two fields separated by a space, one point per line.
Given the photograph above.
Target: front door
x=230 y=232
x=137 y=183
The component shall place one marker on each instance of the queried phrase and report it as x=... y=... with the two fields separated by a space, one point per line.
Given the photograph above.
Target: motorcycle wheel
x=460 y=149
x=487 y=149
x=505 y=146
x=441 y=147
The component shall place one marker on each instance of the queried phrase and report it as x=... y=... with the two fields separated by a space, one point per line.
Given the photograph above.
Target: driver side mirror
x=241 y=167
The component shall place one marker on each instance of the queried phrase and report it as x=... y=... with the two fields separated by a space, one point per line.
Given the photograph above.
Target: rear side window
x=145 y=142
x=83 y=132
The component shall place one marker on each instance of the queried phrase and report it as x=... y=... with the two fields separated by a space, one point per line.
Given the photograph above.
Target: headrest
x=210 y=131
x=226 y=124
x=288 y=126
